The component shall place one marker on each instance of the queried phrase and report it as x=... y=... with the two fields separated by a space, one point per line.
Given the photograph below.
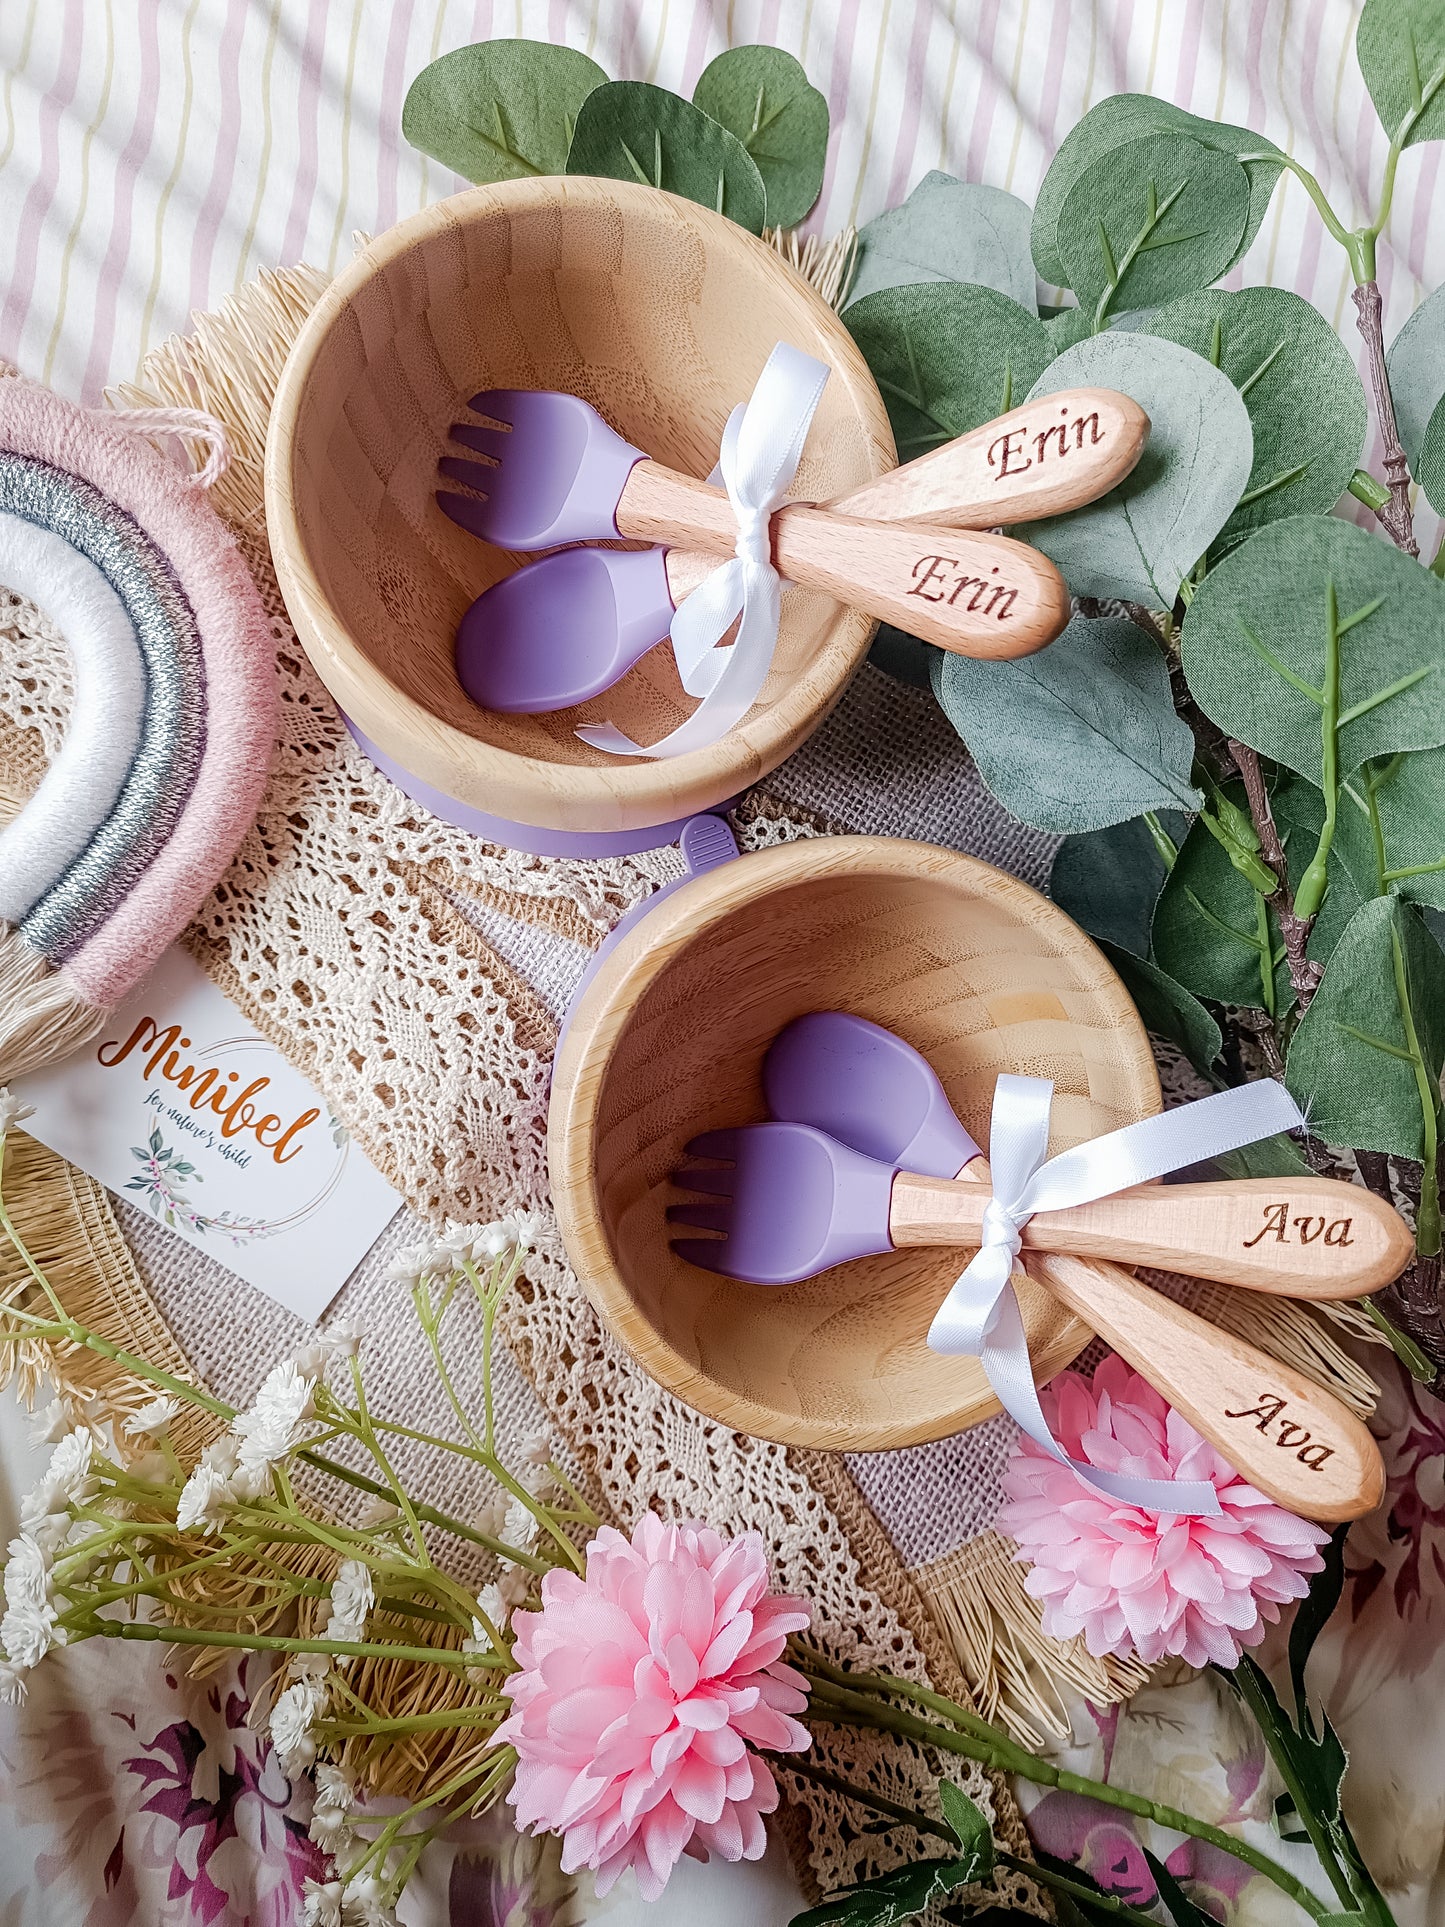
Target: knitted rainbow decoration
x=172 y=728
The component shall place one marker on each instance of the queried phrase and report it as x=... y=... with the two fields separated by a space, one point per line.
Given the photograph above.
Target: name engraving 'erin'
x=1291 y=1436
x=1009 y=452
x=1277 y=1220
x=940 y=578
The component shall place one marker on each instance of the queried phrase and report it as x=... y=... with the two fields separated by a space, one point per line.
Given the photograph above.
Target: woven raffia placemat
x=417 y=976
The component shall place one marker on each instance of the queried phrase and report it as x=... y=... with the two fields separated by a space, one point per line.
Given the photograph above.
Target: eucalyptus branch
x=1395 y=518
x=1304 y=972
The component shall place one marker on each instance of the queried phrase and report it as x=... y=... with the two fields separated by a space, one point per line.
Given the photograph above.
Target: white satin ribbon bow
x=980 y=1316
x=762 y=445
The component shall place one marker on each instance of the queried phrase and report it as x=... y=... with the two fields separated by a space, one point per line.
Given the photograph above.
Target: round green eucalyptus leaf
x=1140 y=540
x=762 y=96
x=949 y=230
x=1430 y=462
x=947 y=357
x=1125 y=117
x=1079 y=736
x=1257 y=643
x=1109 y=880
x=1350 y=1062
x=503 y=110
x=632 y=131
x=1416 y=366
x=1151 y=219
x=1306 y=405
x=1206 y=931
x=1166 y=1007
x=1400 y=45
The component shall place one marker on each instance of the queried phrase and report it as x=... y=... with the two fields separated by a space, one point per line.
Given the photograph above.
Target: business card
x=181 y=1107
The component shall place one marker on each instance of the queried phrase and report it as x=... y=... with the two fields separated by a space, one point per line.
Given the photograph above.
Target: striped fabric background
x=154 y=153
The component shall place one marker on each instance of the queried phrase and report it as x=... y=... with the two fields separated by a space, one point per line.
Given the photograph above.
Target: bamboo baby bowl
x=971 y=966
x=658 y=312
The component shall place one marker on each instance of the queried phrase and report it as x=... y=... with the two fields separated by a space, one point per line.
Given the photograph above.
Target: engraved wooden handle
x=980 y=595
x=1300 y=1238
x=1276 y=1427
x=1042 y=459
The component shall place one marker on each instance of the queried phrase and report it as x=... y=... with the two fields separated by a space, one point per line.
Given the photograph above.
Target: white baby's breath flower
x=293 y=1724
x=205 y=1499
x=494 y=1608
x=491 y=1517
x=50 y=1426
x=528 y=1228
x=458 y=1238
x=310 y=1360
x=351 y=1601
x=331 y=1812
x=13 y=1688
x=153 y=1420
x=66 y=1481
x=12 y=1111
x=519 y=1528
x=222 y=1455
x=537 y=1449
x=272 y=1426
x=343 y=1338
x=322 y=1903
x=494 y=1240
x=412 y=1263
x=27 y=1631
x=362 y=1904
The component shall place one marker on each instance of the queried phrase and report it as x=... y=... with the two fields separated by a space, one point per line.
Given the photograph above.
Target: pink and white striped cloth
x=155 y=154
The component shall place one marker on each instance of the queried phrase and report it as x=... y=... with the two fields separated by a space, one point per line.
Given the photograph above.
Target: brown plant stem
x=1304 y=973
x=1395 y=518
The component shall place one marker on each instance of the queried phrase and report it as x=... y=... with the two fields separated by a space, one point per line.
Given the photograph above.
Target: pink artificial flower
x=639 y=1691
x=1145 y=1583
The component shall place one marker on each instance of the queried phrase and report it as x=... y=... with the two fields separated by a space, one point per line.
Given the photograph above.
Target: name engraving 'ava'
x=1277 y=1222
x=1009 y=453
x=941 y=578
x=1291 y=1436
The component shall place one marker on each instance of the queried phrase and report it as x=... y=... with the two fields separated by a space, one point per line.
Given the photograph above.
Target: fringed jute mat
x=416 y=976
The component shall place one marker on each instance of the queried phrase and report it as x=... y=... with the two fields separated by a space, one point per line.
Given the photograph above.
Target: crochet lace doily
x=350 y=930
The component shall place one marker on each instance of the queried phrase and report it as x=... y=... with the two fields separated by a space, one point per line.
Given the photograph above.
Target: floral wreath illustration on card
x=165 y=1171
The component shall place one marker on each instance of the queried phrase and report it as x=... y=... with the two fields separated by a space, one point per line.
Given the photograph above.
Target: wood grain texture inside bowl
x=659 y=313
x=972 y=967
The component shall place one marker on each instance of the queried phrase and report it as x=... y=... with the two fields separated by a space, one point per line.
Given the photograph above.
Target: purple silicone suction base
x=527 y=837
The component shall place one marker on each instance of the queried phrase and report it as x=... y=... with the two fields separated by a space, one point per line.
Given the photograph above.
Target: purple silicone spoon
x=867 y=1088
x=563 y=629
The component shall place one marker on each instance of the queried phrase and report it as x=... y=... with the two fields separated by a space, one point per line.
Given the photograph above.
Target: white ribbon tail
x=980 y=1317
x=761 y=447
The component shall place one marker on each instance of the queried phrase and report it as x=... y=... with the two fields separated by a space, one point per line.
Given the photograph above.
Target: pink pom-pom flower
x=1138 y=1582
x=640 y=1691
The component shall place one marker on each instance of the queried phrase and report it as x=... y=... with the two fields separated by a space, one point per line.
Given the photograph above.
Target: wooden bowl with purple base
x=972 y=967
x=658 y=312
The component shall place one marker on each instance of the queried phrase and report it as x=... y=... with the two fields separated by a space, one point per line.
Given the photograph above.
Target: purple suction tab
x=792 y=1202
x=563 y=629
x=867 y=1088
x=560 y=474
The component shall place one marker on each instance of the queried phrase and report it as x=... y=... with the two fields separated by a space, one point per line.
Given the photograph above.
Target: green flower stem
x=165 y=1635
x=1060 y=1883
x=1362 y=259
x=480 y=1715
x=366 y=1432
x=1437 y=567
x=1002 y=1755
x=428 y=1514
x=1427 y=1218
x=488 y=1771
